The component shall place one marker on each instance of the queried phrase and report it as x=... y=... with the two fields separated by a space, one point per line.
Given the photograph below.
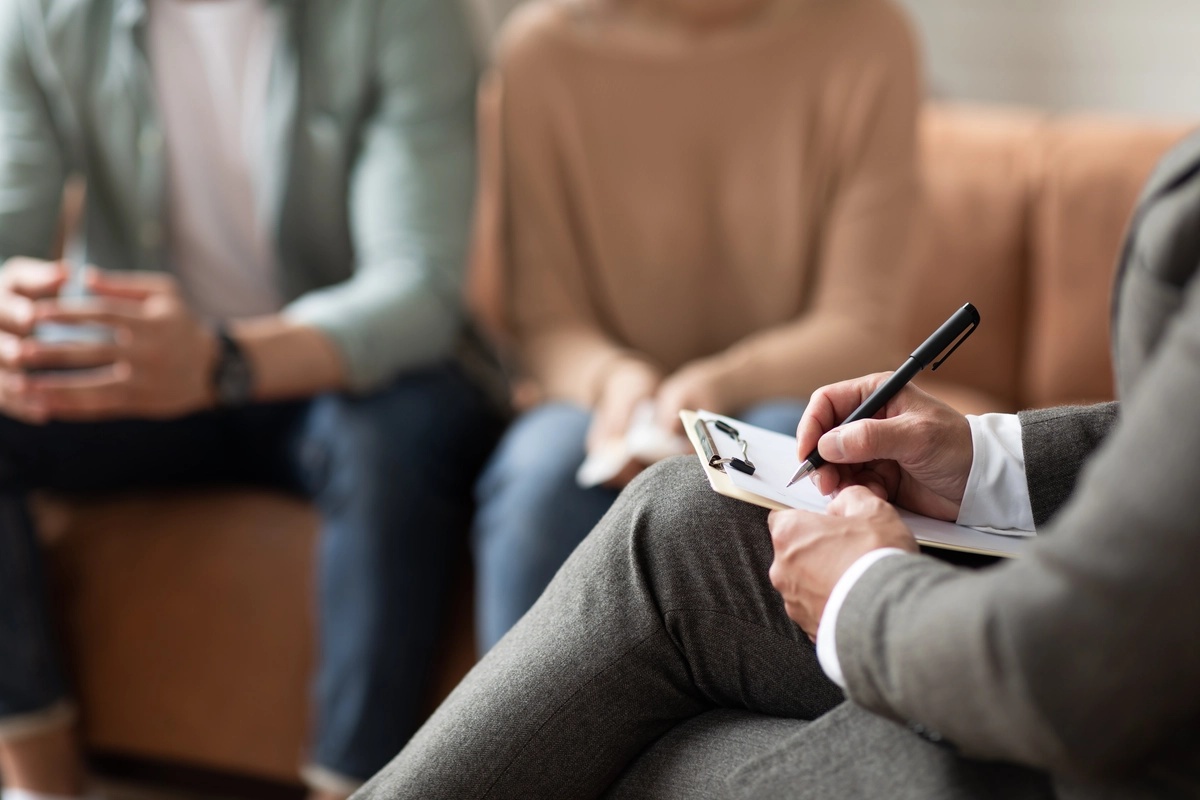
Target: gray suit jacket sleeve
x=1080 y=658
x=1056 y=443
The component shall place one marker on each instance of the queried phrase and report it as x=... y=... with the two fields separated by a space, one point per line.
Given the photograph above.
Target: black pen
x=962 y=323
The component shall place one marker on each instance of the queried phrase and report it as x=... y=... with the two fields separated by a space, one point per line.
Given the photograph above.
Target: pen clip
x=957 y=343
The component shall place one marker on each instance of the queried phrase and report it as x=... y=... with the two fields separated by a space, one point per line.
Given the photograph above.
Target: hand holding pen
x=961 y=324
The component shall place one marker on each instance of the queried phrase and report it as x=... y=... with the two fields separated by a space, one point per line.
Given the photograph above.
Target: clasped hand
x=155 y=365
x=693 y=386
x=917 y=455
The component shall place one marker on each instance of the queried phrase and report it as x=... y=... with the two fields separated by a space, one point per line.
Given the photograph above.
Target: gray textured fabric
x=846 y=753
x=1162 y=253
x=617 y=679
x=851 y=753
x=1057 y=442
x=695 y=758
x=1080 y=658
x=660 y=615
x=619 y=673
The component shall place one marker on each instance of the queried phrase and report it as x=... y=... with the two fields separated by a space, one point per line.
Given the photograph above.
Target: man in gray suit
x=662 y=662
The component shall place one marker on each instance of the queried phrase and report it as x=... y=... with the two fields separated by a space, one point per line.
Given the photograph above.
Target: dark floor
x=125 y=779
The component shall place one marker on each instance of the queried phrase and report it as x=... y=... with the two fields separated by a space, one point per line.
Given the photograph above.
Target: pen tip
x=805 y=469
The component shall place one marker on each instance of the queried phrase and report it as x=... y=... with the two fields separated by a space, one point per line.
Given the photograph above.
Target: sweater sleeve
x=850 y=327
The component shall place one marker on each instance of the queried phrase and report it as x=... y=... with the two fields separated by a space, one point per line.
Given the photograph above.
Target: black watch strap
x=232 y=377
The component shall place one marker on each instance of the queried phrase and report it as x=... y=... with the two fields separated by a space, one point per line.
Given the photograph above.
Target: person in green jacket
x=278 y=194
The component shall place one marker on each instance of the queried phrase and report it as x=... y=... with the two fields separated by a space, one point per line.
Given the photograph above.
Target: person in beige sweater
x=689 y=203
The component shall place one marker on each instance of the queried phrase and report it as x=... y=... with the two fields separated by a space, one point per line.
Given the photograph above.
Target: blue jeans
x=531 y=513
x=391 y=475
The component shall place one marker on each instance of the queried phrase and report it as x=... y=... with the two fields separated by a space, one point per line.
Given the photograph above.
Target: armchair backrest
x=1026 y=216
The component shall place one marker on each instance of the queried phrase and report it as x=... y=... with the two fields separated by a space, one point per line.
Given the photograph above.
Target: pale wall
x=1131 y=56
x=1134 y=56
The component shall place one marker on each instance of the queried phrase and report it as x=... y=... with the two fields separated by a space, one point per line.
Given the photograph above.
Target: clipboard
x=928 y=532
x=718 y=479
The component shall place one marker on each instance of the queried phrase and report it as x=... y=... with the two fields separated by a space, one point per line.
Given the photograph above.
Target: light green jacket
x=367 y=167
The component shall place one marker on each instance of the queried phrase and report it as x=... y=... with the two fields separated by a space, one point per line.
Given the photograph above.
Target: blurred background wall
x=1131 y=56
x=1124 y=56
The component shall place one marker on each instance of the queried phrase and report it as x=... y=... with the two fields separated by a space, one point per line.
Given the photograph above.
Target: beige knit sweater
x=740 y=195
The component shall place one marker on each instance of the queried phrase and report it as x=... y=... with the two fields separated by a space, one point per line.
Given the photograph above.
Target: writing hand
x=918 y=455
x=158 y=365
x=812 y=550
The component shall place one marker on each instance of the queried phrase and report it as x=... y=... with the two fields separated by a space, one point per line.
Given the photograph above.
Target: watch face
x=234 y=383
x=233 y=379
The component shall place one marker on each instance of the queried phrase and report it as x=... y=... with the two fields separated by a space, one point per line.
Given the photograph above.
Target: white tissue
x=644 y=441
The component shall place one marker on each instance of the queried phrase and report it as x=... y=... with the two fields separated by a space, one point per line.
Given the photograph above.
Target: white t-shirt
x=211 y=65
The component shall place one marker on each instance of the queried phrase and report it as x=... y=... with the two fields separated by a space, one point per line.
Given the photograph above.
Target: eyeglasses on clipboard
x=743 y=464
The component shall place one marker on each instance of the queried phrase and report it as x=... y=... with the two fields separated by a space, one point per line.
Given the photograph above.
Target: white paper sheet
x=645 y=441
x=775 y=460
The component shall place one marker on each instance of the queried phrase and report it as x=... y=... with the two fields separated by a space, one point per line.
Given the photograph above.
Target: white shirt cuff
x=997 y=495
x=826 y=630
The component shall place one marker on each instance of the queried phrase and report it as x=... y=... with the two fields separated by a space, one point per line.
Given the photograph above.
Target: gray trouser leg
x=695 y=759
x=852 y=753
x=662 y=613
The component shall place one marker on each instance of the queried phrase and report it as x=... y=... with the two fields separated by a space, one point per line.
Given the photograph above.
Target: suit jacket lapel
x=1179 y=165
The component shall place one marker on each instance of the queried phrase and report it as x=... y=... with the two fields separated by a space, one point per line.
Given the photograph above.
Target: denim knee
x=531 y=476
x=427 y=432
x=31 y=677
x=392 y=474
x=531 y=513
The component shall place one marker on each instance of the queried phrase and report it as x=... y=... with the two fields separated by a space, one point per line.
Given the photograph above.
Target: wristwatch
x=232 y=376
